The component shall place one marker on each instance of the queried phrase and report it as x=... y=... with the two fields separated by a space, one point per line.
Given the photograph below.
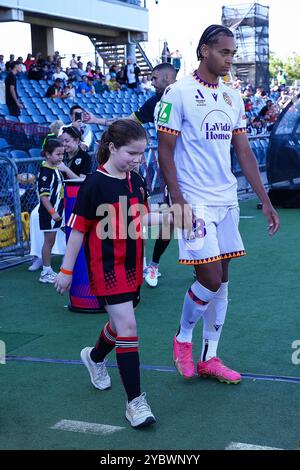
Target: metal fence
x=18 y=190
x=14 y=233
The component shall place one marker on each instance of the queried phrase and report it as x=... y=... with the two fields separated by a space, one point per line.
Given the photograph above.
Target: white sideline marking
x=87 y=428
x=243 y=446
x=247 y=217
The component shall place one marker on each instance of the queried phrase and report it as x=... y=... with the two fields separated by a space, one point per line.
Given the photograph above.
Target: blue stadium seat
x=11 y=118
x=25 y=119
x=35 y=152
x=4 y=145
x=16 y=154
x=37 y=119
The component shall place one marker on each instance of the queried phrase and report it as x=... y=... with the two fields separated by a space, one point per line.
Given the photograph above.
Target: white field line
x=243 y=446
x=84 y=427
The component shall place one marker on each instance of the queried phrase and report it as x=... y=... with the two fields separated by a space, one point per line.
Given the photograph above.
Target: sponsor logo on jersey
x=217 y=131
x=164 y=112
x=227 y=98
x=200 y=100
x=215 y=96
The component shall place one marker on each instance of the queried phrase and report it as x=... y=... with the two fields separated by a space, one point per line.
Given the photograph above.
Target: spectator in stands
x=281 y=78
x=2 y=66
x=146 y=84
x=97 y=73
x=8 y=64
x=59 y=73
x=57 y=59
x=55 y=91
x=11 y=95
x=77 y=160
x=79 y=73
x=86 y=87
x=69 y=91
x=263 y=113
x=76 y=114
x=131 y=74
x=73 y=62
x=176 y=59
x=100 y=85
x=37 y=73
x=112 y=84
x=23 y=66
x=284 y=99
x=258 y=99
x=121 y=78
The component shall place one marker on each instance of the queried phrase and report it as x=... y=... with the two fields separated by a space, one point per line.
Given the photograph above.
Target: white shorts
x=221 y=240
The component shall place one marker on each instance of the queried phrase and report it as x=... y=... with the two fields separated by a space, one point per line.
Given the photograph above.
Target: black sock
x=105 y=344
x=159 y=249
x=129 y=365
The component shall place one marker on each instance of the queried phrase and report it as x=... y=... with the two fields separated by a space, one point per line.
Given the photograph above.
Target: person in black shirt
x=163 y=75
x=11 y=95
x=108 y=217
x=55 y=91
x=77 y=160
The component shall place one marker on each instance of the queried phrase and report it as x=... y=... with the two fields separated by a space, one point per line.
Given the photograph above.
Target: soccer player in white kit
x=198 y=120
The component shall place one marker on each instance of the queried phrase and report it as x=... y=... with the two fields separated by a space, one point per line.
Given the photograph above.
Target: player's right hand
x=182 y=214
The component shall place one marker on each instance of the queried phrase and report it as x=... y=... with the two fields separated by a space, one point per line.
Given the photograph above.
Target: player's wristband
x=66 y=271
x=52 y=211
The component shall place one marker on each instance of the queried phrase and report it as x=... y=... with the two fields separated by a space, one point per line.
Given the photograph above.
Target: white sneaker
x=48 y=276
x=36 y=264
x=97 y=370
x=145 y=270
x=139 y=413
x=151 y=276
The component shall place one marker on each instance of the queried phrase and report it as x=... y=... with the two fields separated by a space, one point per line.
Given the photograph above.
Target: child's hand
x=62 y=283
x=56 y=217
x=62 y=167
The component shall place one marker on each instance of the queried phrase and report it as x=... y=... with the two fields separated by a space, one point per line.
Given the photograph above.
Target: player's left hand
x=273 y=218
x=62 y=283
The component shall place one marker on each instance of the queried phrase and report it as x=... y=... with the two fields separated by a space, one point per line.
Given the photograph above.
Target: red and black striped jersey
x=109 y=210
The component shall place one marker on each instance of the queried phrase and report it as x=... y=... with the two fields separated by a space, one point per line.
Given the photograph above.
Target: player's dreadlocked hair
x=210 y=36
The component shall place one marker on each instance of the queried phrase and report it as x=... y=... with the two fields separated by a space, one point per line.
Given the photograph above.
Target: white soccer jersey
x=204 y=117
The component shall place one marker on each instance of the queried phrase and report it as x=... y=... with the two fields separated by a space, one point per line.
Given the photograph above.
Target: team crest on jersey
x=44 y=178
x=227 y=98
x=77 y=161
x=200 y=100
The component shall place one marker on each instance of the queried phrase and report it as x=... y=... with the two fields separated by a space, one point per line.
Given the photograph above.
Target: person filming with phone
x=76 y=121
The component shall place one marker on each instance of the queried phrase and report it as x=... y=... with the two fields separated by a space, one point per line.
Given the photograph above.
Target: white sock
x=47 y=268
x=194 y=305
x=213 y=320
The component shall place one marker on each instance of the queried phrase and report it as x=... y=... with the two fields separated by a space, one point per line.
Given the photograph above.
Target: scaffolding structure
x=250 y=24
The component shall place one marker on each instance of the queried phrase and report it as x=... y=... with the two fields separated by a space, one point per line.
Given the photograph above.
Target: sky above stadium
x=179 y=22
